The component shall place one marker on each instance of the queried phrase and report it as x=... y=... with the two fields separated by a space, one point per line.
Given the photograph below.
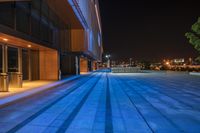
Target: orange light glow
x=167 y=63
x=5 y=39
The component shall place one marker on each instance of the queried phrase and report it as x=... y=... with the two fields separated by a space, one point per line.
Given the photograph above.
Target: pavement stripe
x=99 y=121
x=132 y=94
x=132 y=119
x=138 y=110
x=72 y=115
x=175 y=99
x=108 y=122
x=7 y=101
x=117 y=112
x=28 y=120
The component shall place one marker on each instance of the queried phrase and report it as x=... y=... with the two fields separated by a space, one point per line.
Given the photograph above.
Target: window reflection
x=12 y=59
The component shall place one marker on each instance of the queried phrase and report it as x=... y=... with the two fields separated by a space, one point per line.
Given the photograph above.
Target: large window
x=54 y=26
x=45 y=9
x=7 y=14
x=12 y=59
x=44 y=32
x=45 y=29
x=35 y=27
x=23 y=17
x=35 y=18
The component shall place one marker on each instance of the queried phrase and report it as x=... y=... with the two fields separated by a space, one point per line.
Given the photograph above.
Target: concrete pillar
x=4 y=83
x=59 y=67
x=77 y=65
x=97 y=67
x=108 y=63
x=89 y=65
x=29 y=65
x=20 y=60
x=5 y=58
x=94 y=65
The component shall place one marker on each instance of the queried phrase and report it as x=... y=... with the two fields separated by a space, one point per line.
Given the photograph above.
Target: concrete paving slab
x=117 y=103
x=30 y=89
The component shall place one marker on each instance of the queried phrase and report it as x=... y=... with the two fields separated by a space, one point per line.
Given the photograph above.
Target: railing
x=126 y=69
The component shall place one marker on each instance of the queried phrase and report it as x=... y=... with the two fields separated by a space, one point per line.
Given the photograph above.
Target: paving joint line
x=29 y=119
x=108 y=122
x=152 y=107
x=72 y=115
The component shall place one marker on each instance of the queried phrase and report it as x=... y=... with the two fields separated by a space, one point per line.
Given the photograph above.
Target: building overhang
x=18 y=42
x=12 y=0
x=65 y=12
x=63 y=9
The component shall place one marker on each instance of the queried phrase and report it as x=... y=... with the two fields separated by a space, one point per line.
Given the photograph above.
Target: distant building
x=178 y=61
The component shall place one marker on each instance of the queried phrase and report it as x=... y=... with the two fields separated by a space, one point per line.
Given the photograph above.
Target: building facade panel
x=87 y=12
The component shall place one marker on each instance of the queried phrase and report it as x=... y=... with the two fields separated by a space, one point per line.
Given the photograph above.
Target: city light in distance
x=108 y=56
x=167 y=63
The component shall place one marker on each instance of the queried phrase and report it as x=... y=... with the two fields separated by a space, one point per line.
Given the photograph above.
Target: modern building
x=43 y=39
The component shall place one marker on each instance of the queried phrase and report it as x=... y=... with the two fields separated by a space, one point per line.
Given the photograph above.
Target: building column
x=108 y=63
x=4 y=75
x=89 y=65
x=20 y=60
x=29 y=65
x=77 y=65
x=5 y=58
x=94 y=65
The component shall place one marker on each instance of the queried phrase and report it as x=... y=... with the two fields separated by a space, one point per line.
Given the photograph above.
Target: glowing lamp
x=5 y=39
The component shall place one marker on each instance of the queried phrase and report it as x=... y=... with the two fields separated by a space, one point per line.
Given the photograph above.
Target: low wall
x=195 y=73
x=126 y=69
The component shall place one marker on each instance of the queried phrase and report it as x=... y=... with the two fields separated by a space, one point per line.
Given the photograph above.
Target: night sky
x=148 y=29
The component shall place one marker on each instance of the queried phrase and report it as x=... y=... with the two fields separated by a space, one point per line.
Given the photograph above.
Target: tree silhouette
x=194 y=36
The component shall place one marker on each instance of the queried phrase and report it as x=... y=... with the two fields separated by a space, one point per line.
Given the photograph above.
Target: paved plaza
x=101 y=102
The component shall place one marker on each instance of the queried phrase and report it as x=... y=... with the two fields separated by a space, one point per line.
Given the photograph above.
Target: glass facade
x=88 y=13
x=33 y=18
x=12 y=59
x=23 y=17
x=7 y=14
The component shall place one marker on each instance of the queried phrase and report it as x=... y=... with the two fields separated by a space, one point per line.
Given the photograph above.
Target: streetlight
x=108 y=56
x=108 y=60
x=130 y=60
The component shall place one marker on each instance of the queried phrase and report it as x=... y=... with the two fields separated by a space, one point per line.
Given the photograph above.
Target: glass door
x=12 y=59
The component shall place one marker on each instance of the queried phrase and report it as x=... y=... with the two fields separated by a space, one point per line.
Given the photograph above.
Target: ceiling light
x=5 y=39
